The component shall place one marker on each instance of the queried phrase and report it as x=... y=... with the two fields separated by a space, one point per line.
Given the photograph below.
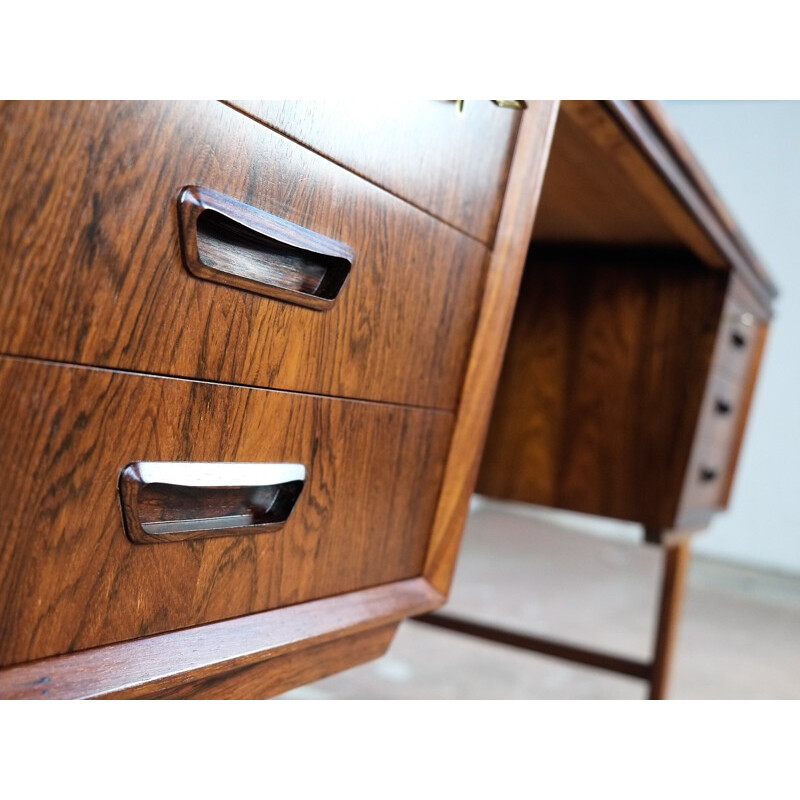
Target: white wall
x=751 y=152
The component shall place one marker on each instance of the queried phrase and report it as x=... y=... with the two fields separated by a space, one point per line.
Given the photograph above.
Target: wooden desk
x=331 y=288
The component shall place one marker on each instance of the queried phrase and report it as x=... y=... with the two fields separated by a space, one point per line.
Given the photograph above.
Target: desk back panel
x=603 y=382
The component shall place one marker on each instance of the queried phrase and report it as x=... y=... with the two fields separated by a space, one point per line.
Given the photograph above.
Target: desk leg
x=655 y=672
x=673 y=582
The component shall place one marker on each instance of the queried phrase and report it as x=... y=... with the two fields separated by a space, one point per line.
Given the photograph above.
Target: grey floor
x=739 y=638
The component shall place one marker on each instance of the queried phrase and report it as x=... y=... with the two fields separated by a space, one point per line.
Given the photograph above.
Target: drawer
x=705 y=481
x=71 y=579
x=721 y=412
x=93 y=270
x=738 y=337
x=712 y=461
x=450 y=163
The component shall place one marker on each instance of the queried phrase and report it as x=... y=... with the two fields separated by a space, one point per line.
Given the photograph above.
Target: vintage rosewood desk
x=248 y=353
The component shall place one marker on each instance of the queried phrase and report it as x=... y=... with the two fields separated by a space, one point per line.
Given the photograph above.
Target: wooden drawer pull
x=234 y=244
x=166 y=501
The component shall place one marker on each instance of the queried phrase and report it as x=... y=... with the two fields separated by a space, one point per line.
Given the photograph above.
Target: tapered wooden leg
x=673 y=582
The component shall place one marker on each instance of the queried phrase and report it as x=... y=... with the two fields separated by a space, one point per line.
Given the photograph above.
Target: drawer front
x=711 y=462
x=93 y=270
x=450 y=163
x=71 y=579
x=725 y=406
x=737 y=340
x=721 y=412
x=740 y=334
x=705 y=480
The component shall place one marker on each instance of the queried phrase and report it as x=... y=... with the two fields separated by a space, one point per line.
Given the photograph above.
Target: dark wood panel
x=452 y=164
x=208 y=653
x=502 y=285
x=90 y=254
x=69 y=577
x=268 y=678
x=587 y=198
x=601 y=189
x=603 y=382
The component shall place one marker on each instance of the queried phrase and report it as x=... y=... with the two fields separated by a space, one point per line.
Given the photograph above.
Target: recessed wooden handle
x=166 y=501
x=234 y=244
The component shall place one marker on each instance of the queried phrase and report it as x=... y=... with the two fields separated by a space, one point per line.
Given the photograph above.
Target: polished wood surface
x=210 y=653
x=628 y=368
x=93 y=271
x=601 y=189
x=452 y=164
x=69 y=577
x=277 y=675
x=587 y=198
x=603 y=382
x=102 y=324
x=502 y=284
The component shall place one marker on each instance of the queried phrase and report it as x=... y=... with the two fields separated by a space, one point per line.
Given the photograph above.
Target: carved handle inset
x=234 y=244
x=166 y=501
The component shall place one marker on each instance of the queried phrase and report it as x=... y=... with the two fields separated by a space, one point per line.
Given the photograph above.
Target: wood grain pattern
x=93 y=275
x=588 y=199
x=69 y=577
x=208 y=653
x=603 y=382
x=277 y=675
x=453 y=165
x=600 y=189
x=502 y=283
